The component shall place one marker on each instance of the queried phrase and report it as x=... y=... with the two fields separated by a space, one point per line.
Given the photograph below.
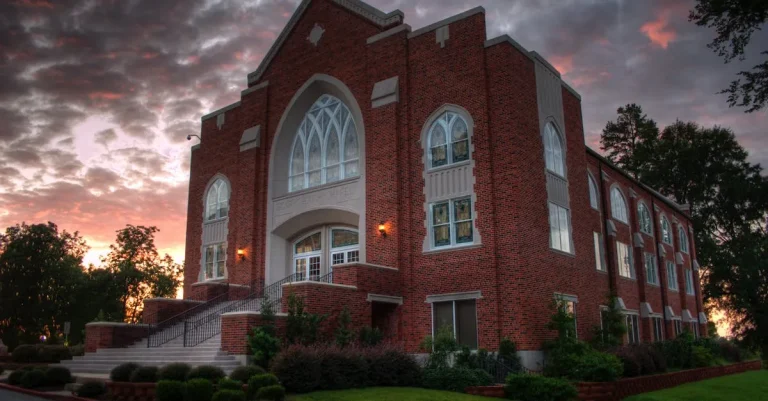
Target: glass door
x=306 y=257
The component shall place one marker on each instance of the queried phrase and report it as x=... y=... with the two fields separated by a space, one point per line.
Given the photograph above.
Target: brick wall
x=112 y=335
x=236 y=326
x=160 y=309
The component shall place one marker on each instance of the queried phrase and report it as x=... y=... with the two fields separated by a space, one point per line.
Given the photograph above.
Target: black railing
x=499 y=368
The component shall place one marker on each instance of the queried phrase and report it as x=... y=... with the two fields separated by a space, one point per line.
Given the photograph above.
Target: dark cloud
x=105 y=137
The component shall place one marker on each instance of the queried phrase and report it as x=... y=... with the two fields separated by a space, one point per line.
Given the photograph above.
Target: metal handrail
x=169 y=329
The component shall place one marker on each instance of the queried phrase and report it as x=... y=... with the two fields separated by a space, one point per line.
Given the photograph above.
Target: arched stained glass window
x=619 y=206
x=683 y=238
x=217 y=201
x=593 y=199
x=553 y=150
x=666 y=232
x=644 y=219
x=448 y=140
x=326 y=146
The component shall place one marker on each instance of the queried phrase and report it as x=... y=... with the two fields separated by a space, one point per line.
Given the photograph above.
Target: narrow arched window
x=217 y=201
x=553 y=150
x=593 y=199
x=326 y=146
x=448 y=140
x=619 y=206
x=683 y=239
x=666 y=232
x=644 y=219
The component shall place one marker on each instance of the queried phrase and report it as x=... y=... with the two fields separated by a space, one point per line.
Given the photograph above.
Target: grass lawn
x=748 y=386
x=388 y=394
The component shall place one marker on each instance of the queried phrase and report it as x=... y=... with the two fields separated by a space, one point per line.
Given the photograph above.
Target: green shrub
x=274 y=392
x=229 y=395
x=524 y=387
x=701 y=357
x=144 y=374
x=91 y=389
x=33 y=379
x=299 y=369
x=169 y=390
x=14 y=379
x=255 y=383
x=244 y=373
x=342 y=368
x=229 y=384
x=455 y=378
x=123 y=372
x=641 y=360
x=730 y=351
x=77 y=350
x=25 y=353
x=177 y=371
x=198 y=390
x=390 y=366
x=508 y=356
x=678 y=352
x=370 y=336
x=578 y=361
x=57 y=376
x=263 y=345
x=209 y=372
x=53 y=353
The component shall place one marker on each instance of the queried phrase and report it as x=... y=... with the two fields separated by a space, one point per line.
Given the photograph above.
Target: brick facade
x=112 y=335
x=511 y=264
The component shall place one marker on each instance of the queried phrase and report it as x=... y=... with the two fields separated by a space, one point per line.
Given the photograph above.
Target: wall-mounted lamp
x=241 y=253
x=382 y=229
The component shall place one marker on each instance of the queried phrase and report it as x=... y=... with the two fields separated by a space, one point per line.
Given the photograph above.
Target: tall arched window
x=217 y=201
x=683 y=238
x=592 y=192
x=644 y=219
x=326 y=148
x=553 y=150
x=619 y=206
x=448 y=140
x=666 y=232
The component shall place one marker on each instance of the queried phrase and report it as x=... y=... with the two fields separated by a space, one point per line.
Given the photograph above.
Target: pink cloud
x=564 y=64
x=105 y=95
x=659 y=31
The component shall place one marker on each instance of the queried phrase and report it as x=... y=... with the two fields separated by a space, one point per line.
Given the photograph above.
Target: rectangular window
x=624 y=259
x=452 y=222
x=695 y=330
x=658 y=329
x=460 y=316
x=570 y=308
x=599 y=253
x=689 y=282
x=215 y=261
x=559 y=228
x=671 y=276
x=651 y=273
x=678 y=327
x=633 y=329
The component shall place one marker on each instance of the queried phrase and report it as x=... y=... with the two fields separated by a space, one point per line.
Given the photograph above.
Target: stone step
x=231 y=361
x=106 y=369
x=148 y=356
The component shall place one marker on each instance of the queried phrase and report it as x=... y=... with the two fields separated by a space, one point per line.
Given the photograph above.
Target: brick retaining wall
x=235 y=327
x=112 y=335
x=160 y=309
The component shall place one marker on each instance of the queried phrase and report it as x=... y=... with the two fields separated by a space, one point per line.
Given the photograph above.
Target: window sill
x=653 y=285
x=452 y=248
x=217 y=281
x=673 y=290
x=564 y=253
x=213 y=221
x=619 y=221
x=601 y=271
x=647 y=234
x=327 y=185
x=627 y=278
x=449 y=166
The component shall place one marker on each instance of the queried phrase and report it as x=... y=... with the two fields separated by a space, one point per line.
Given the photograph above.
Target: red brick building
x=427 y=177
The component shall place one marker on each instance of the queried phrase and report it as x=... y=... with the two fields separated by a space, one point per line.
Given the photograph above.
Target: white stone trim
x=449 y=20
x=385 y=92
x=620 y=304
x=254 y=88
x=249 y=313
x=178 y=300
x=385 y=299
x=251 y=138
x=696 y=266
x=115 y=324
x=366 y=10
x=545 y=63
x=669 y=314
x=370 y=265
x=702 y=318
x=221 y=110
x=507 y=39
x=610 y=227
x=195 y=147
x=679 y=258
x=646 y=310
x=661 y=249
x=389 y=32
x=569 y=89
x=310 y=282
x=687 y=317
x=454 y=296
x=638 y=240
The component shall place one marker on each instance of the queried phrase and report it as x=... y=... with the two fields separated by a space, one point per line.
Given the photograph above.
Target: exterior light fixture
x=241 y=253
x=382 y=229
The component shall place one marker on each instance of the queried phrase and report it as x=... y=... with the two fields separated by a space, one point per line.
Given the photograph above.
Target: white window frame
x=683 y=239
x=569 y=301
x=453 y=325
x=689 y=289
x=619 y=205
x=666 y=231
x=632 y=320
x=657 y=324
x=217 y=197
x=594 y=201
x=678 y=326
x=651 y=270
x=630 y=263
x=346 y=252
x=672 y=278
x=219 y=249
x=600 y=264
x=554 y=144
x=447 y=120
x=568 y=248
x=303 y=138
x=307 y=256
x=694 y=330
x=644 y=219
x=452 y=222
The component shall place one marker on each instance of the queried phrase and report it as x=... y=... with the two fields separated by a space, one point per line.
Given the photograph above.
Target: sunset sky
x=97 y=97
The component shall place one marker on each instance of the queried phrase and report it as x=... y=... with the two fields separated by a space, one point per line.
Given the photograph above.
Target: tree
x=629 y=140
x=263 y=340
x=139 y=272
x=40 y=275
x=344 y=335
x=735 y=21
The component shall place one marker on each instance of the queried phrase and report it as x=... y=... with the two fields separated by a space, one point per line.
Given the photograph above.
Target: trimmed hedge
x=455 y=378
x=25 y=353
x=525 y=387
x=58 y=376
x=33 y=379
x=91 y=389
x=14 y=379
x=578 y=361
x=229 y=384
x=244 y=373
x=198 y=390
x=177 y=371
x=302 y=369
x=640 y=360
x=208 y=372
x=169 y=390
x=123 y=372
x=271 y=393
x=257 y=382
x=144 y=374
x=229 y=395
x=47 y=353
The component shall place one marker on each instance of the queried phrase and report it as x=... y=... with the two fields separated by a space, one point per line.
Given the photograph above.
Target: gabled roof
x=358 y=7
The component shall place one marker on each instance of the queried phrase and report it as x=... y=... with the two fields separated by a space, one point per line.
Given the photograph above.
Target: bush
x=678 y=352
x=730 y=352
x=257 y=382
x=538 y=388
x=123 y=372
x=169 y=390
x=57 y=376
x=701 y=357
x=578 y=361
x=229 y=395
x=177 y=371
x=91 y=390
x=264 y=346
x=33 y=379
x=198 y=390
x=144 y=374
x=25 y=353
x=274 y=392
x=342 y=368
x=370 y=336
x=389 y=366
x=508 y=356
x=455 y=378
x=640 y=360
x=299 y=369
x=14 y=379
x=229 y=384
x=209 y=372
x=244 y=373
x=53 y=353
x=77 y=350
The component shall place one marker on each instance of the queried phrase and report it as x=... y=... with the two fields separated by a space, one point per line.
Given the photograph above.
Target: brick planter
x=160 y=309
x=120 y=391
x=618 y=390
x=112 y=335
